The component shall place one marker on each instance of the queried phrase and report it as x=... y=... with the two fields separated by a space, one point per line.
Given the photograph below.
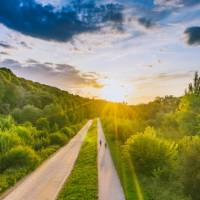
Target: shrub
x=7 y=141
x=67 y=131
x=42 y=124
x=45 y=153
x=41 y=143
x=19 y=157
x=58 y=139
x=149 y=153
x=6 y=123
x=24 y=133
x=28 y=113
x=190 y=151
x=10 y=176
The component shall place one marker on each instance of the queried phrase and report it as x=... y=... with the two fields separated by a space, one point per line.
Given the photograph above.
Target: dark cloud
x=4 y=53
x=148 y=23
x=32 y=61
x=43 y=21
x=193 y=35
x=9 y=63
x=5 y=45
x=24 y=44
x=60 y=75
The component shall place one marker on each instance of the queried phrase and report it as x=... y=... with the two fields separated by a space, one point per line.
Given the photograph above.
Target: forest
x=155 y=146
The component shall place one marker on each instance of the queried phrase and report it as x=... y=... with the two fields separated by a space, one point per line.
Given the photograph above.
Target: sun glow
x=115 y=91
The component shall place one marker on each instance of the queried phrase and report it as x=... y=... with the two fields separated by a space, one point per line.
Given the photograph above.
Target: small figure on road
x=100 y=142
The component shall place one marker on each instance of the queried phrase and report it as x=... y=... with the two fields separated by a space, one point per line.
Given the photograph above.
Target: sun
x=114 y=91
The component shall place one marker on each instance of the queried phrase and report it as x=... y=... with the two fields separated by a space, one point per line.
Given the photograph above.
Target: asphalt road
x=47 y=180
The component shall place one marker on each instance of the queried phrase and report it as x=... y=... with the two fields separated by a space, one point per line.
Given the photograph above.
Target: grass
x=83 y=181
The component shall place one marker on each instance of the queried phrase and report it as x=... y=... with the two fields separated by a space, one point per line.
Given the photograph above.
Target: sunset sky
x=120 y=50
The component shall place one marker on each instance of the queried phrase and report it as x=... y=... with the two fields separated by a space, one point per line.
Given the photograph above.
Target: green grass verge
x=83 y=181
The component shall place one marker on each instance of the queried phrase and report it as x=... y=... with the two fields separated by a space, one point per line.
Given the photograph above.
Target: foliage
x=42 y=124
x=45 y=153
x=8 y=140
x=58 y=139
x=19 y=156
x=149 y=153
x=35 y=120
x=190 y=162
x=194 y=88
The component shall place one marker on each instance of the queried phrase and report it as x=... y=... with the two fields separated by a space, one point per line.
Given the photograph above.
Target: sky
x=119 y=50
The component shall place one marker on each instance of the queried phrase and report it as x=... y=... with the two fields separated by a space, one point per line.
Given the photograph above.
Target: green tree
x=194 y=88
x=151 y=154
x=190 y=155
x=20 y=156
x=42 y=124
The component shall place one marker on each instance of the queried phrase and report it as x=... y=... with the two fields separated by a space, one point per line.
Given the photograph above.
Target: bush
x=41 y=143
x=6 y=122
x=25 y=134
x=149 y=153
x=10 y=176
x=45 y=153
x=58 y=139
x=19 y=157
x=190 y=151
x=67 y=131
x=155 y=189
x=7 y=141
x=42 y=124
x=28 y=113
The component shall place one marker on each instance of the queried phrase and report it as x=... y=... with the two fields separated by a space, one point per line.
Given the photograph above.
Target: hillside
x=35 y=120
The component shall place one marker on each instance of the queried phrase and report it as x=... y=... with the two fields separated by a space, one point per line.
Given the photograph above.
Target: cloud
x=193 y=35
x=9 y=63
x=176 y=3
x=4 y=53
x=60 y=75
x=24 y=44
x=44 y=21
x=5 y=45
x=147 y=23
x=163 y=77
x=32 y=61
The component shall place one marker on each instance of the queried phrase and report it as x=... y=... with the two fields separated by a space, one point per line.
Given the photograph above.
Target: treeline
x=159 y=144
x=35 y=120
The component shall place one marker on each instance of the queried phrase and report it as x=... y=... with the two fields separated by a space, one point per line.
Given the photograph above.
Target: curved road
x=109 y=184
x=46 y=181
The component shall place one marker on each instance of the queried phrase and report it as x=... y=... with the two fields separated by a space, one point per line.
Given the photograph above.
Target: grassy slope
x=17 y=92
x=82 y=183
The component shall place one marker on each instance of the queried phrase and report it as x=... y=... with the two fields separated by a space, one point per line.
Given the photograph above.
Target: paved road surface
x=46 y=181
x=109 y=183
